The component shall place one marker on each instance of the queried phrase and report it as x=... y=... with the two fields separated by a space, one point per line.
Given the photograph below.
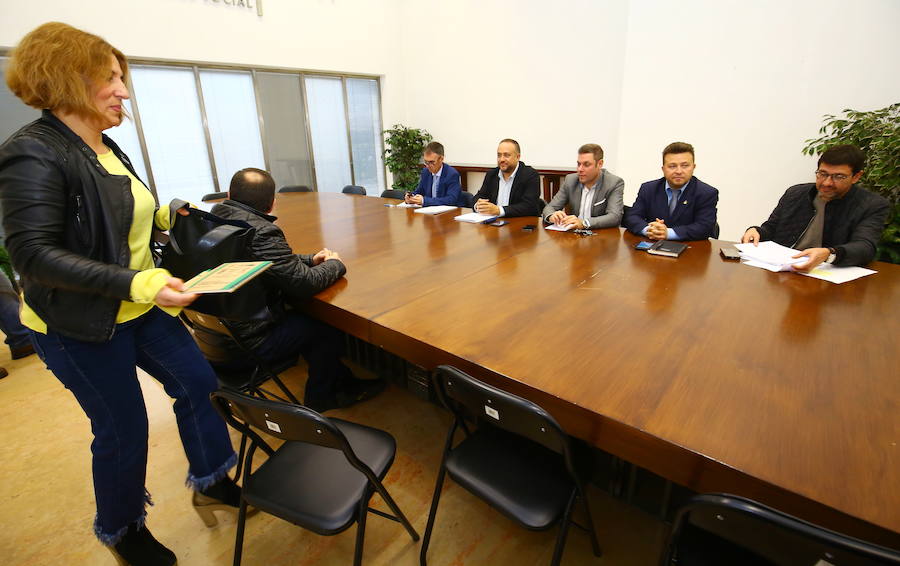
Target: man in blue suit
x=678 y=206
x=438 y=183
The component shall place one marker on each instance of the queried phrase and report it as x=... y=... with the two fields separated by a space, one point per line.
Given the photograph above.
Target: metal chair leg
x=595 y=544
x=361 y=530
x=563 y=530
x=239 y=537
x=426 y=537
x=398 y=514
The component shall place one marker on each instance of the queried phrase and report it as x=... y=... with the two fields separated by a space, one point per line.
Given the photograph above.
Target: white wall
x=745 y=82
x=547 y=74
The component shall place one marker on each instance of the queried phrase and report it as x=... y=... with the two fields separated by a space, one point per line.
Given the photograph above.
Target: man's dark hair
x=844 y=154
x=253 y=187
x=514 y=142
x=592 y=148
x=434 y=147
x=678 y=147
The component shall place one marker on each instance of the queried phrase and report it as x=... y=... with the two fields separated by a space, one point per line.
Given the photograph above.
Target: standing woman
x=78 y=227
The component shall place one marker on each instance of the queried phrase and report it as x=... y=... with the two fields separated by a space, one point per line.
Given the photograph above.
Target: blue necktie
x=674 y=202
x=434 y=184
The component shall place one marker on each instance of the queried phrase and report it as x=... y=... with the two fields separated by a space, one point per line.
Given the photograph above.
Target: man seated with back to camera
x=291 y=279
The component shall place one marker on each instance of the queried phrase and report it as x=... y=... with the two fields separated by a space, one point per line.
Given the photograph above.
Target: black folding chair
x=516 y=458
x=222 y=348
x=392 y=193
x=295 y=189
x=353 y=190
x=714 y=529
x=214 y=196
x=321 y=478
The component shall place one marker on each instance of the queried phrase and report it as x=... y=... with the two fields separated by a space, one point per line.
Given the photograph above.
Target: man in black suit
x=512 y=189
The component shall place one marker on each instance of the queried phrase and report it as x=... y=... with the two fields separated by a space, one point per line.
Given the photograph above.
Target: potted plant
x=877 y=133
x=403 y=155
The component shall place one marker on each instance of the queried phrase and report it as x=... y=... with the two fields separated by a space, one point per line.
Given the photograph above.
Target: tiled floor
x=46 y=498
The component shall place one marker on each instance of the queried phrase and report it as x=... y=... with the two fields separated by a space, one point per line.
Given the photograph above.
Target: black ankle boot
x=139 y=548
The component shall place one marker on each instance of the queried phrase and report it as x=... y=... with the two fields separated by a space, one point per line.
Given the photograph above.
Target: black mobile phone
x=528 y=228
x=643 y=245
x=730 y=252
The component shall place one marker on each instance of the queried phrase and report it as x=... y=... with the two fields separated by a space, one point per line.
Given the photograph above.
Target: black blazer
x=524 y=197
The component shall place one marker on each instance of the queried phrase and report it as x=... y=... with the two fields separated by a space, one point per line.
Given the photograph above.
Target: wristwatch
x=832 y=255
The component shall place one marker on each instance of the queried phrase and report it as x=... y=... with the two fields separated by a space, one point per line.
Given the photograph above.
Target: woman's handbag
x=201 y=241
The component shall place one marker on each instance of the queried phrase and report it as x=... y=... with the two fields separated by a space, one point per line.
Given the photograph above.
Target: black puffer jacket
x=853 y=224
x=67 y=222
x=292 y=277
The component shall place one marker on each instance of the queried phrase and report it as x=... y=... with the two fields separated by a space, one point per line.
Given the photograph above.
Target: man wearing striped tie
x=678 y=206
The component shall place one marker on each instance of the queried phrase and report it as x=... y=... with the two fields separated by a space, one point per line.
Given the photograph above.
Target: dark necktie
x=676 y=194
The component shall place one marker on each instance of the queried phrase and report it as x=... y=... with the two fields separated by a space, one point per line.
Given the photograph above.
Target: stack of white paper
x=475 y=218
x=408 y=205
x=559 y=227
x=775 y=257
x=435 y=209
x=769 y=255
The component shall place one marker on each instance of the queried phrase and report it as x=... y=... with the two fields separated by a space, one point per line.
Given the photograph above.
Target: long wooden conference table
x=717 y=376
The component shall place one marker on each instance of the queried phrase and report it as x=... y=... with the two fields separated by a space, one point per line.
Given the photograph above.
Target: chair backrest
x=214 y=339
x=727 y=529
x=466 y=199
x=715 y=234
x=353 y=190
x=467 y=398
x=295 y=189
x=281 y=420
x=214 y=196
x=392 y=193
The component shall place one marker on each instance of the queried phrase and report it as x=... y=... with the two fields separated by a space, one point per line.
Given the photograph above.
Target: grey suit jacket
x=607 y=206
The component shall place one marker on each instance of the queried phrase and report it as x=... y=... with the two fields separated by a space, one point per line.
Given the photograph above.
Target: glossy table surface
x=715 y=375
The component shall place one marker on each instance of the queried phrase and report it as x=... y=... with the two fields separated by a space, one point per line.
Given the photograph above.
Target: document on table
x=408 y=205
x=475 y=218
x=559 y=227
x=435 y=209
x=769 y=255
x=828 y=272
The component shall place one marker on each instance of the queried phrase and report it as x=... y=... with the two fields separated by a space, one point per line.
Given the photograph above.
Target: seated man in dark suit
x=292 y=279
x=833 y=220
x=593 y=194
x=678 y=206
x=510 y=189
x=438 y=183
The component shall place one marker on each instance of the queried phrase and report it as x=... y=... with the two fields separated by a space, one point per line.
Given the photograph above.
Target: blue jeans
x=319 y=344
x=103 y=379
x=16 y=334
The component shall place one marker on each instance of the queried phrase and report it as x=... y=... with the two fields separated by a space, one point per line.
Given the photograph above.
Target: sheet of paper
x=435 y=209
x=828 y=272
x=407 y=205
x=771 y=253
x=769 y=266
x=475 y=217
x=559 y=228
